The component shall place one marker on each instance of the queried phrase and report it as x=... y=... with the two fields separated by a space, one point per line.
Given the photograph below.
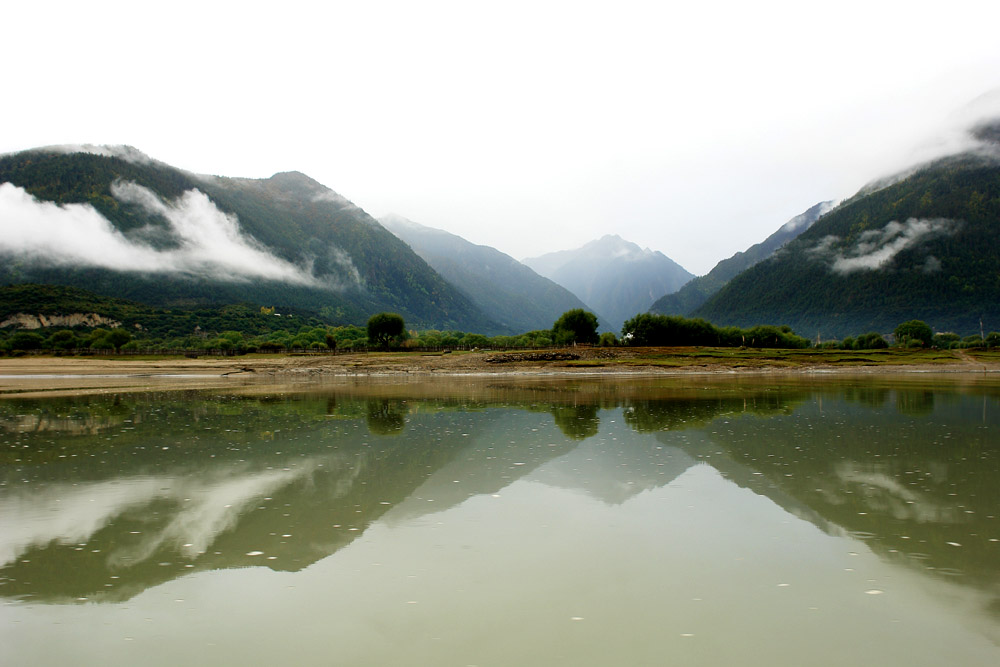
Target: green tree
x=26 y=340
x=474 y=340
x=973 y=341
x=64 y=339
x=946 y=340
x=575 y=326
x=102 y=339
x=870 y=341
x=384 y=327
x=914 y=330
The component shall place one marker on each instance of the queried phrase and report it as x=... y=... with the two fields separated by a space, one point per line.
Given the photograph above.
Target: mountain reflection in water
x=103 y=497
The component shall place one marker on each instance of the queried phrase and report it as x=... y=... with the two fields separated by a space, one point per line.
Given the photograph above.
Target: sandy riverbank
x=47 y=374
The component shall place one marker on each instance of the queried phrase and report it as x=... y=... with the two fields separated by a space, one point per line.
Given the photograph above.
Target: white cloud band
x=876 y=248
x=209 y=242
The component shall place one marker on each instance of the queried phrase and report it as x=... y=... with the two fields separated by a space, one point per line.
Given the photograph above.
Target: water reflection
x=386 y=417
x=104 y=497
x=918 y=483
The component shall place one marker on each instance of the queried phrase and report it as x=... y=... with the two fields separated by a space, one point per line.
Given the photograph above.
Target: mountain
x=511 y=293
x=120 y=224
x=618 y=278
x=697 y=291
x=922 y=245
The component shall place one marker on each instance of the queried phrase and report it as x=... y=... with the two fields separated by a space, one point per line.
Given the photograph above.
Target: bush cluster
x=674 y=330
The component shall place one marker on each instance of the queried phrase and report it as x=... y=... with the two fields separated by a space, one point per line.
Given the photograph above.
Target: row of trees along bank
x=388 y=331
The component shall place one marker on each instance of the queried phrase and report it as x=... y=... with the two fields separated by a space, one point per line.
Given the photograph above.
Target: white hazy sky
x=695 y=129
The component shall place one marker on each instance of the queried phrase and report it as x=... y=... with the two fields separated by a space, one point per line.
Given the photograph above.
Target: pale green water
x=480 y=524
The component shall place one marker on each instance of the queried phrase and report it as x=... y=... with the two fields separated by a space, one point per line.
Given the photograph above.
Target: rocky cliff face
x=29 y=321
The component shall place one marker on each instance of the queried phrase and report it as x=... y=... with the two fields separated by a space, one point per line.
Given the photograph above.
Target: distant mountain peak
x=615 y=246
x=290 y=186
x=615 y=276
x=509 y=291
x=297 y=183
x=297 y=178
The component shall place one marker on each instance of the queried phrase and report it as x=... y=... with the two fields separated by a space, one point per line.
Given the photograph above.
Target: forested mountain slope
x=924 y=246
x=127 y=226
x=696 y=292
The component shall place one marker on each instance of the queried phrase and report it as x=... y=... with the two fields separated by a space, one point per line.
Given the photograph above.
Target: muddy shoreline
x=32 y=375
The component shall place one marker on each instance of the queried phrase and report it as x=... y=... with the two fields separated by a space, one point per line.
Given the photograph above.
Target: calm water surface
x=486 y=523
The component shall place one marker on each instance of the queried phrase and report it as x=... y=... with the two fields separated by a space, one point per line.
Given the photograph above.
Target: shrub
x=607 y=339
x=870 y=341
x=913 y=330
x=973 y=342
x=25 y=340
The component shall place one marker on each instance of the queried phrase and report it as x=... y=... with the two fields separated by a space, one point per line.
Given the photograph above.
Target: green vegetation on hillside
x=230 y=329
x=129 y=327
x=698 y=290
x=841 y=276
x=359 y=266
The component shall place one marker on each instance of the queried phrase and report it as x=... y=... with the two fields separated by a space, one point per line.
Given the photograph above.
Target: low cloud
x=127 y=153
x=876 y=248
x=804 y=221
x=206 y=242
x=343 y=260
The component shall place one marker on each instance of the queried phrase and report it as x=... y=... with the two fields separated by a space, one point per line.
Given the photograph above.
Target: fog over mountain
x=920 y=245
x=697 y=291
x=202 y=241
x=617 y=277
x=118 y=223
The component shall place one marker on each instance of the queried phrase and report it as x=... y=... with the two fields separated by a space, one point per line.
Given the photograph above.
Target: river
x=501 y=521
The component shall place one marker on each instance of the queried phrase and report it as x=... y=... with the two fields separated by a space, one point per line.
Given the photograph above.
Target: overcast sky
x=695 y=129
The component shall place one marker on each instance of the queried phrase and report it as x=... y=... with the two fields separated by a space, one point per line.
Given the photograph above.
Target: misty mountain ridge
x=115 y=222
x=920 y=245
x=614 y=276
x=513 y=294
x=692 y=295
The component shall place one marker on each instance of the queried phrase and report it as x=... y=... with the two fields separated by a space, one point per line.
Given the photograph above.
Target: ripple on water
x=861 y=534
